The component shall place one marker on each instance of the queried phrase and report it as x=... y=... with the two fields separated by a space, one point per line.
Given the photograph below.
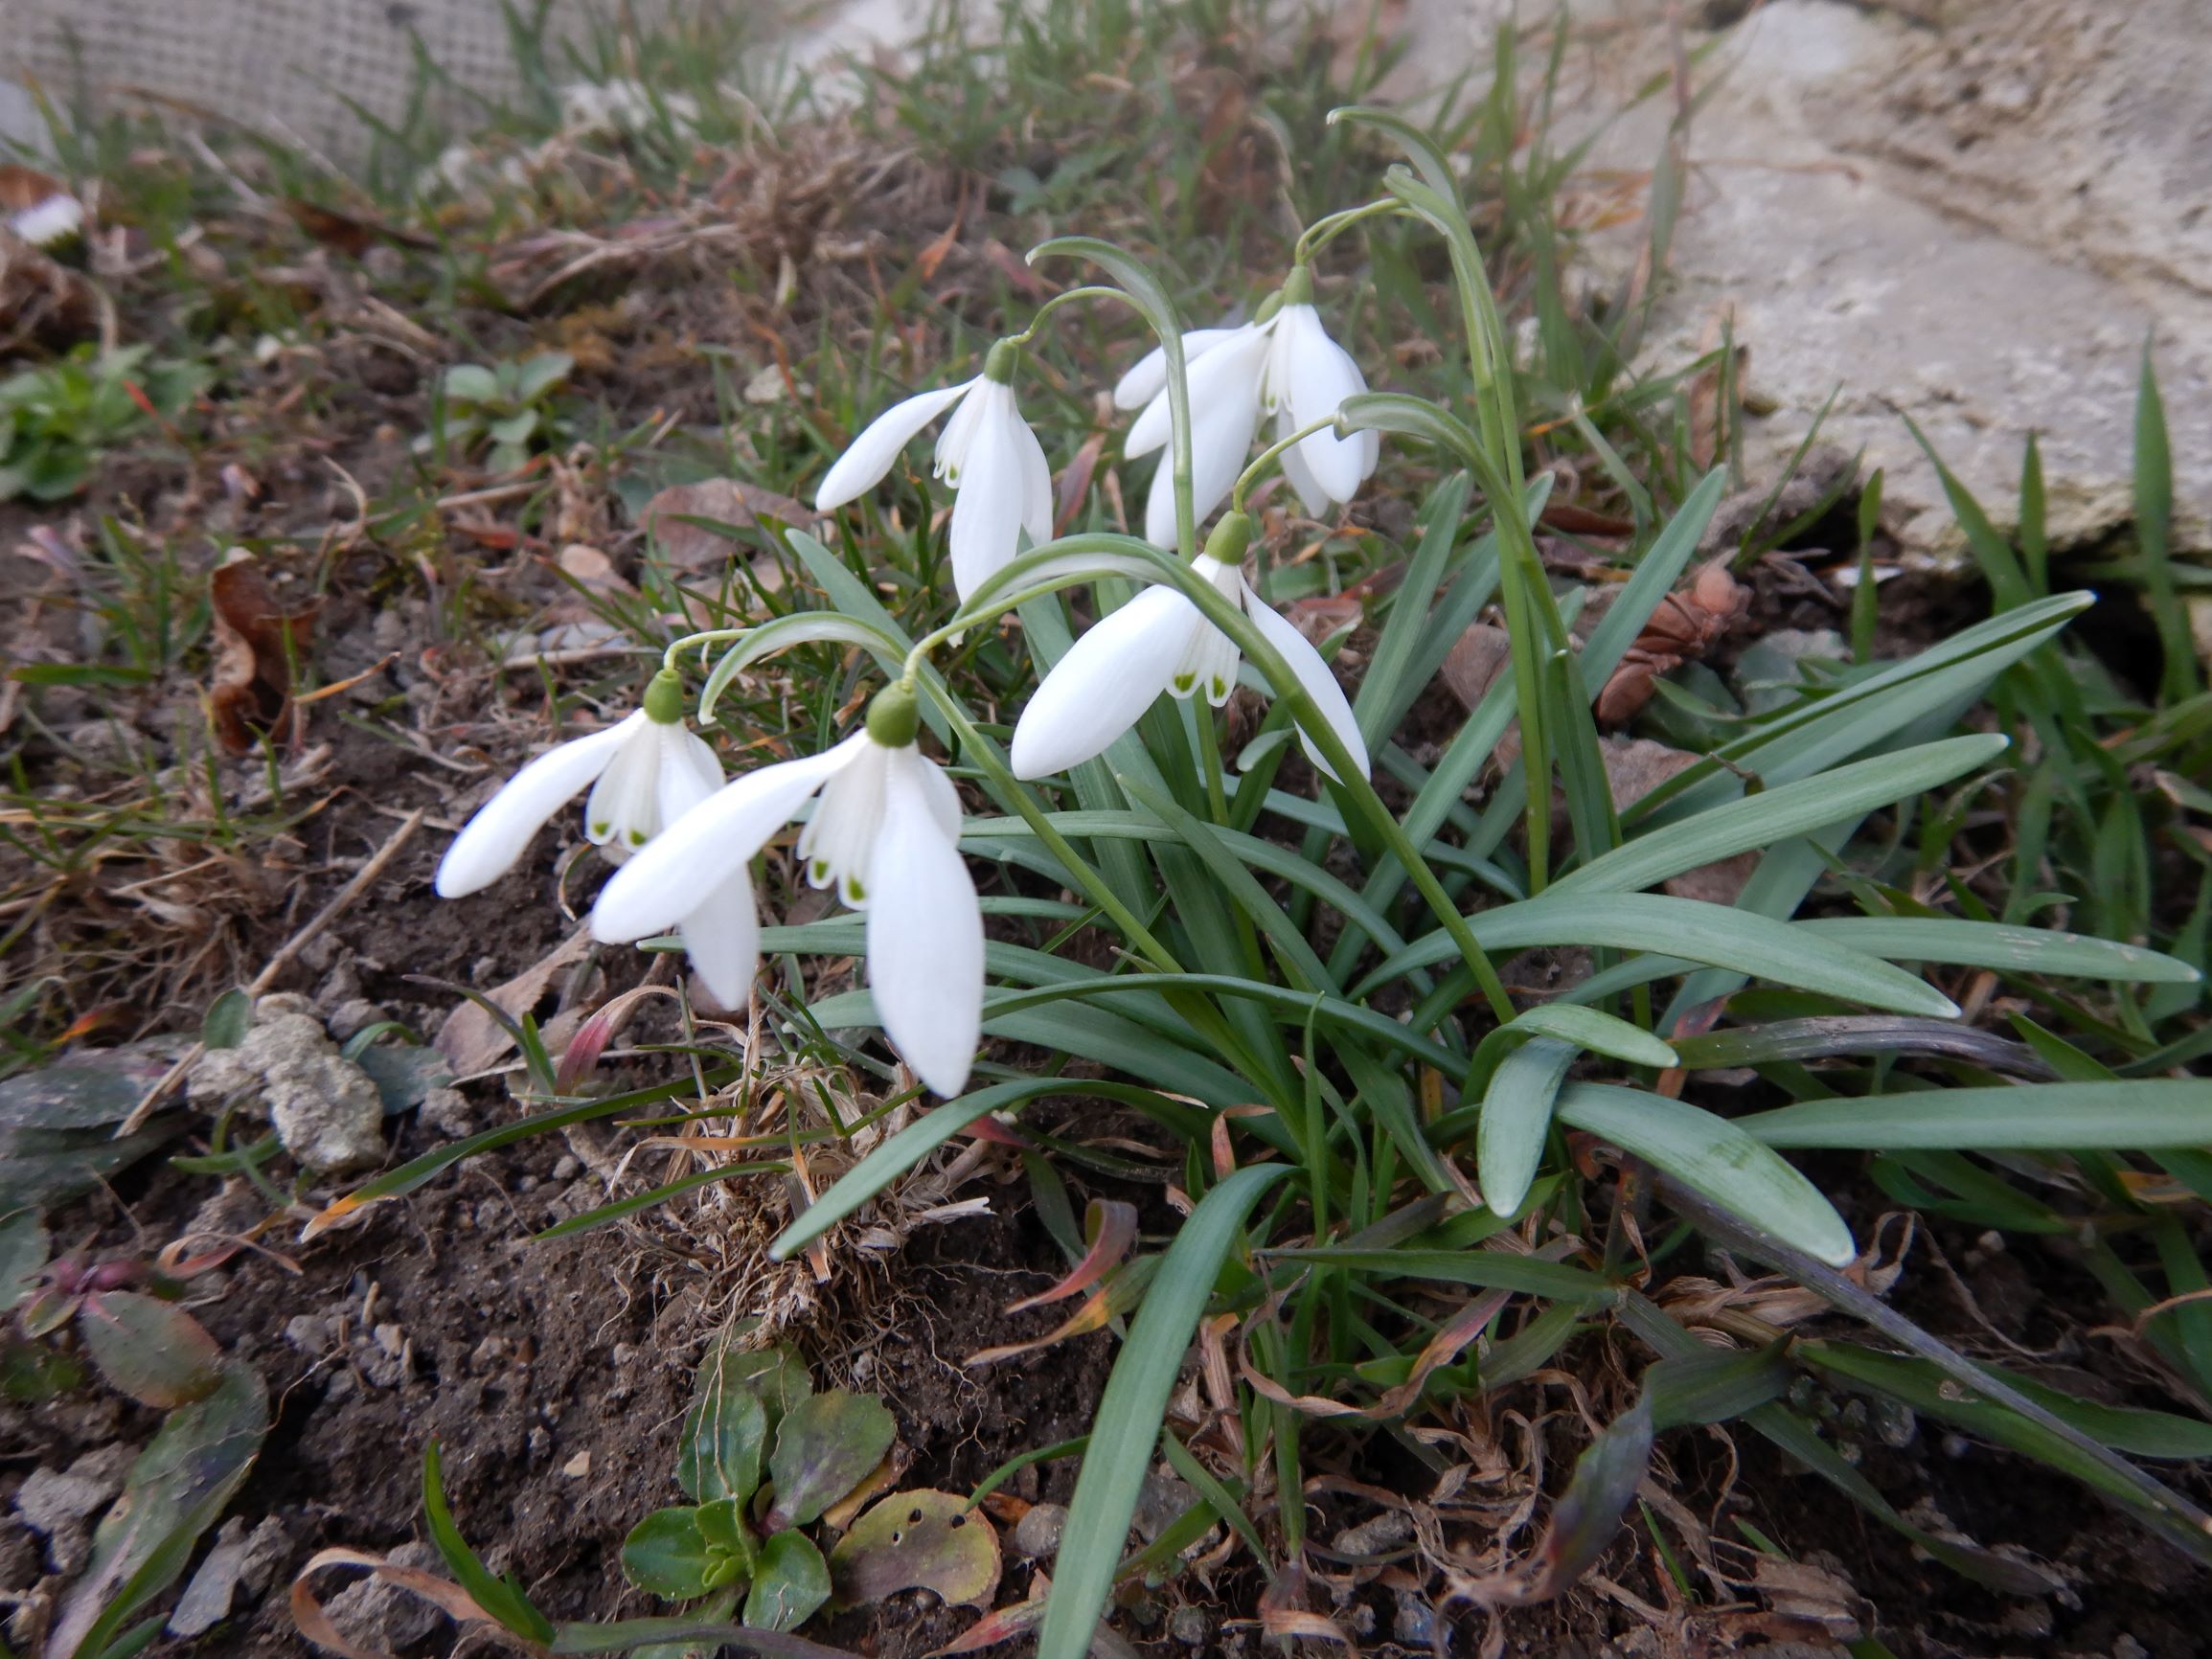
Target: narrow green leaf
x=501 y=1597
x=1759 y=821
x=2178 y=679
x=1715 y=1158
x=1127 y=1427
x=886 y=1163
x=2141 y=1115
x=1517 y=1114
x=1752 y=945
x=1999 y=946
x=1662 y=565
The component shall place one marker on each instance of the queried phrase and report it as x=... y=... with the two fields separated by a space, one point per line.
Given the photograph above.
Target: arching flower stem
x=1327 y=229
x=1353 y=782
x=1269 y=456
x=978 y=751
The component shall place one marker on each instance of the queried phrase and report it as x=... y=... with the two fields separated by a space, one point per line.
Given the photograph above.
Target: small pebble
x=1037 y=1535
x=568 y=1168
x=308 y=1335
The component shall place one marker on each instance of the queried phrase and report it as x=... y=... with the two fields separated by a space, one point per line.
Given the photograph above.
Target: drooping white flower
x=51 y=219
x=645 y=772
x=886 y=834
x=1001 y=482
x=1287 y=367
x=1161 y=642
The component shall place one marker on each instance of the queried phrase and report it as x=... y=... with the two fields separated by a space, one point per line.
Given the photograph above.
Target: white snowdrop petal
x=943 y=799
x=950 y=458
x=1222 y=432
x=841 y=838
x=1310 y=495
x=1148 y=375
x=688 y=772
x=1320 y=374
x=722 y=938
x=1315 y=676
x=695 y=756
x=1107 y=678
x=1231 y=368
x=715 y=839
x=924 y=936
x=44 y=223
x=863 y=464
x=987 y=510
x=1036 y=508
x=490 y=842
x=624 y=809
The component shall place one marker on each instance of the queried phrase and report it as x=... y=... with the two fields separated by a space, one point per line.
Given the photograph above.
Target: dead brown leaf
x=1684 y=628
x=257 y=644
x=689 y=546
x=471 y=1041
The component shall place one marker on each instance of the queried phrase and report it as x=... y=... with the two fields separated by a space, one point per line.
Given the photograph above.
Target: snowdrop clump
x=883 y=820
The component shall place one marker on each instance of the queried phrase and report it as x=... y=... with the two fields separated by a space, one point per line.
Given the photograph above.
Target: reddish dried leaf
x=348 y=232
x=258 y=643
x=1109 y=1228
x=1582 y=521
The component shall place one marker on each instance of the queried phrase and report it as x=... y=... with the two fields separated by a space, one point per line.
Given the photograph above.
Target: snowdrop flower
x=1001 y=482
x=1286 y=366
x=1160 y=642
x=645 y=772
x=55 y=218
x=886 y=833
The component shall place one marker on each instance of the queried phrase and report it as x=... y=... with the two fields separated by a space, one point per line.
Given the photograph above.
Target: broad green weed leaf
x=826 y=1444
x=791 y=1584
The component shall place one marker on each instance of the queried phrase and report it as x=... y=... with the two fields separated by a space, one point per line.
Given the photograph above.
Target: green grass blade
x=1387 y=689
x=1131 y=1413
x=891 y=1159
x=2008 y=582
x=1662 y=566
x=1751 y=944
x=2178 y=679
x=1999 y=946
x=501 y=1597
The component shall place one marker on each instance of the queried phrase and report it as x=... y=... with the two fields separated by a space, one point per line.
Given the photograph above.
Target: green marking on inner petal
x=1184 y=683
x=637 y=837
x=818 y=872
x=603 y=827
x=854 y=893
x=1221 y=688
